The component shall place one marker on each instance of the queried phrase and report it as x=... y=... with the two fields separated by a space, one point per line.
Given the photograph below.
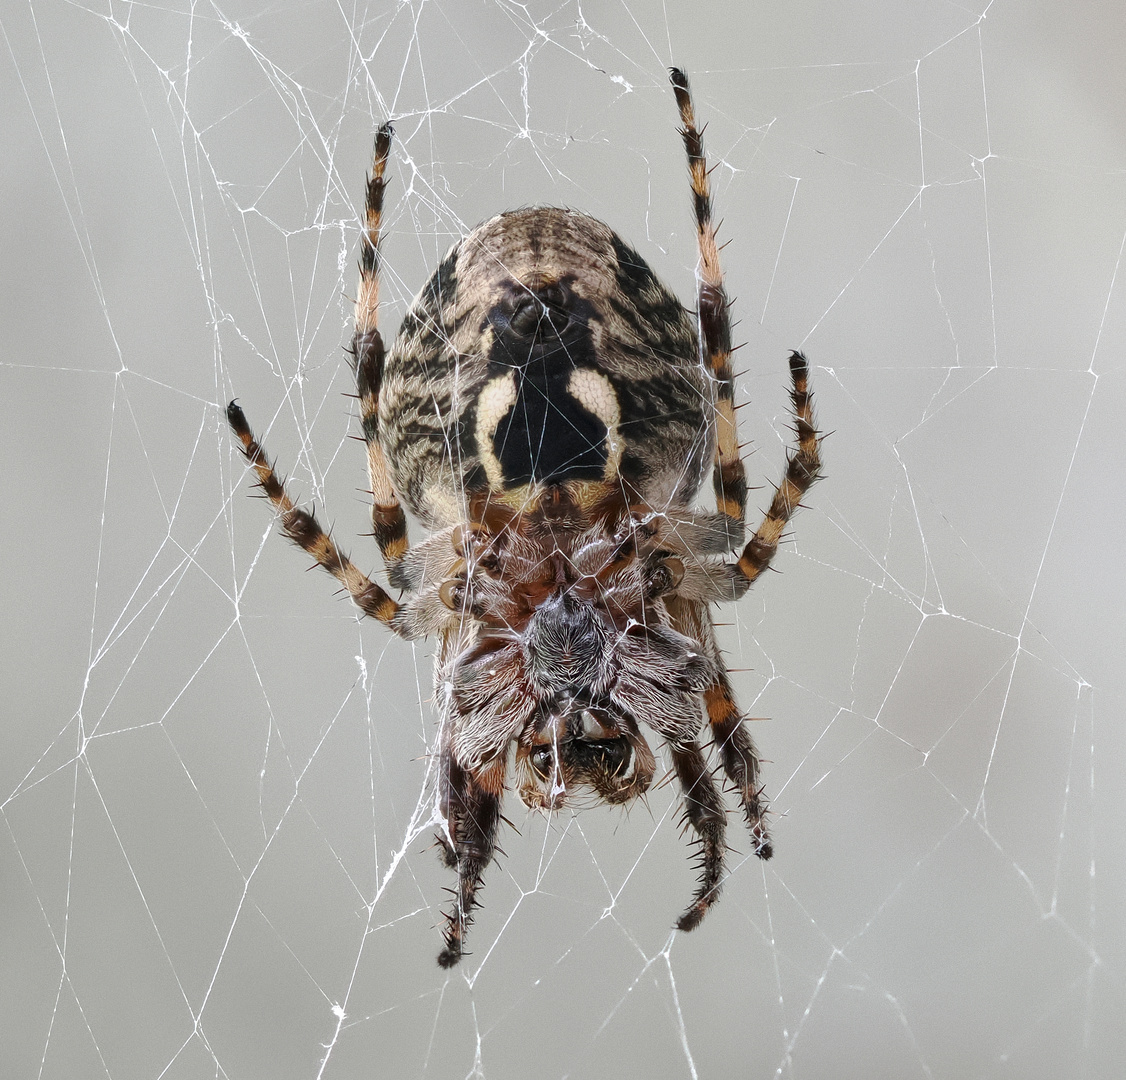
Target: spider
x=549 y=410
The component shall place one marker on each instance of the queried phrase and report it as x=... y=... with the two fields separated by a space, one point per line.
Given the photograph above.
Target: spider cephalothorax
x=549 y=410
x=568 y=646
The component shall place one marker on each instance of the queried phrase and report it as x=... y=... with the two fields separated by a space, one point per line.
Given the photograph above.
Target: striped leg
x=732 y=740
x=740 y=759
x=389 y=525
x=729 y=476
x=471 y=803
x=303 y=529
x=704 y=811
x=803 y=466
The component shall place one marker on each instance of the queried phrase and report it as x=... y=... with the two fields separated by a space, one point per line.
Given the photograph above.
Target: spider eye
x=542 y=761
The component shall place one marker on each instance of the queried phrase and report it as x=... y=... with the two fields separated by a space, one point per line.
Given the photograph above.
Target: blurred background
x=215 y=783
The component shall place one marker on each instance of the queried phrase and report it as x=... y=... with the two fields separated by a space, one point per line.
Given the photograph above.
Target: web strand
x=219 y=783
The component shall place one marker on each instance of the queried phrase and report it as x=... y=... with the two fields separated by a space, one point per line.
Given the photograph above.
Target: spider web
x=216 y=783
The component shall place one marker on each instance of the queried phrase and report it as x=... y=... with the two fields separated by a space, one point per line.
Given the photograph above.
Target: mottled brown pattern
x=439 y=364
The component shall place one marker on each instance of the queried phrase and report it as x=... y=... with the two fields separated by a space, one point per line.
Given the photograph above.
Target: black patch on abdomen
x=547 y=436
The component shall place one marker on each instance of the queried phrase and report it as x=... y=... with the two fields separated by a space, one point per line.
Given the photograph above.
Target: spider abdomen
x=544 y=352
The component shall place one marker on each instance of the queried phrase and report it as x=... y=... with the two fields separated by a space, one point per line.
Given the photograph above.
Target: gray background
x=214 y=783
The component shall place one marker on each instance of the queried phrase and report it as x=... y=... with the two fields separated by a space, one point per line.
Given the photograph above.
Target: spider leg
x=729 y=476
x=303 y=529
x=389 y=524
x=732 y=740
x=704 y=811
x=803 y=466
x=471 y=804
x=736 y=748
x=740 y=759
x=734 y=743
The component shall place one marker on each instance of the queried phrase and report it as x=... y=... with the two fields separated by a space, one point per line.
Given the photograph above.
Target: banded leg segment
x=730 y=736
x=472 y=808
x=803 y=467
x=705 y=812
x=303 y=529
x=389 y=524
x=740 y=759
x=729 y=476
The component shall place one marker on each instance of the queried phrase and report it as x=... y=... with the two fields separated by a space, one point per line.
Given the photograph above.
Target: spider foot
x=693 y=916
x=454 y=934
x=450 y=956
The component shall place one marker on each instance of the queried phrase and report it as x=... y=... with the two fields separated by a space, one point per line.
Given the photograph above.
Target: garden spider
x=549 y=410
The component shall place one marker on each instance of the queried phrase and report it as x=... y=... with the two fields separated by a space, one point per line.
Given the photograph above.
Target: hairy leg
x=729 y=475
x=304 y=530
x=732 y=740
x=705 y=813
x=803 y=467
x=472 y=808
x=389 y=524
